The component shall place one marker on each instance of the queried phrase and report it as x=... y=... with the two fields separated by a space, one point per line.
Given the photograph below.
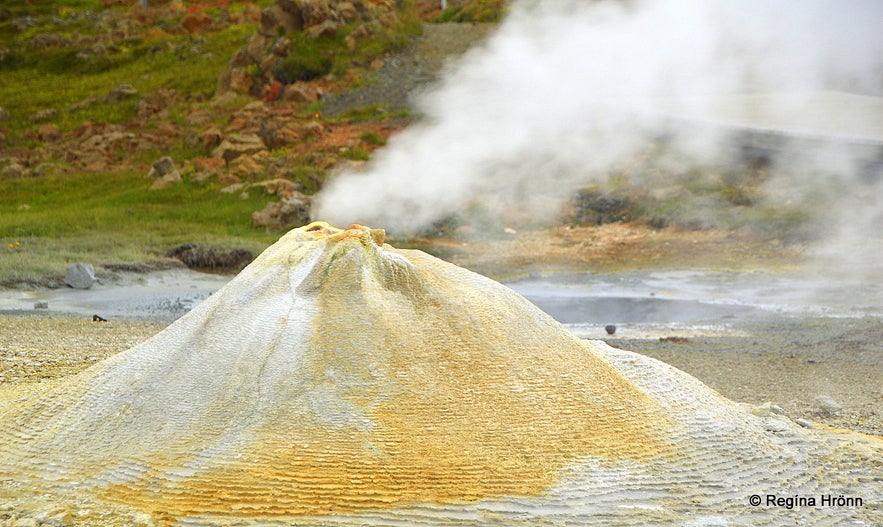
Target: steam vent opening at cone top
x=340 y=381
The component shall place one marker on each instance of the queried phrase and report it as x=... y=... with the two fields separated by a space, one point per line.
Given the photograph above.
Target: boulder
x=80 y=276
x=286 y=213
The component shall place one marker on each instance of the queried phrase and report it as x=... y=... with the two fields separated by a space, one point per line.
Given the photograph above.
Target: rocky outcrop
x=253 y=68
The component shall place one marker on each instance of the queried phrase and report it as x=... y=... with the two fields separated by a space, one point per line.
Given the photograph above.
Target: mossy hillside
x=35 y=80
x=335 y=54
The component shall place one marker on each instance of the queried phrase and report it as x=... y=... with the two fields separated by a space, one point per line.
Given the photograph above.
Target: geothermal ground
x=756 y=336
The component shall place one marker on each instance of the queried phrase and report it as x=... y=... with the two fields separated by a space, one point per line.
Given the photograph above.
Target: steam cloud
x=568 y=89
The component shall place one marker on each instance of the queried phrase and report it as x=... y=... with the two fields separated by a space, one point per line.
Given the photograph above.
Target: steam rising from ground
x=567 y=91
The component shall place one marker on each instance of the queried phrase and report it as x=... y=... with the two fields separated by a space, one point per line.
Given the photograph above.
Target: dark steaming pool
x=588 y=302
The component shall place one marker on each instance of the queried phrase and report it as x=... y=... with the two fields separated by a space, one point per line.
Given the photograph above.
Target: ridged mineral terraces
x=340 y=381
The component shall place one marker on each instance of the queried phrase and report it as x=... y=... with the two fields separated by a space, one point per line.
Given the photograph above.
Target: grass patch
x=101 y=218
x=372 y=138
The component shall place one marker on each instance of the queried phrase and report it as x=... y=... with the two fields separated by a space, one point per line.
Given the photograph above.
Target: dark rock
x=41 y=304
x=163 y=167
x=610 y=329
x=200 y=257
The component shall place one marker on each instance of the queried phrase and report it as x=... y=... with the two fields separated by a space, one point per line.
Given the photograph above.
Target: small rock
x=49 y=132
x=301 y=92
x=13 y=171
x=610 y=329
x=41 y=304
x=121 y=92
x=80 y=276
x=236 y=145
x=767 y=409
x=26 y=522
x=233 y=188
x=167 y=173
x=277 y=187
x=804 y=423
x=776 y=409
x=775 y=425
x=827 y=406
x=162 y=167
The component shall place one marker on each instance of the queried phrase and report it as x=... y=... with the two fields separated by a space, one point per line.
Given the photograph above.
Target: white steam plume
x=567 y=89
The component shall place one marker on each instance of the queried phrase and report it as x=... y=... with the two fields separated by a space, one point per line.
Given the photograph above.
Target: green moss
x=372 y=139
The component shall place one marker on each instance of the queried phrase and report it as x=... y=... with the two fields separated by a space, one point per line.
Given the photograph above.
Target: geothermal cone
x=340 y=381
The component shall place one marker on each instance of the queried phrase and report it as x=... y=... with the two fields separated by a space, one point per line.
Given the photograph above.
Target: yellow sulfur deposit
x=338 y=380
